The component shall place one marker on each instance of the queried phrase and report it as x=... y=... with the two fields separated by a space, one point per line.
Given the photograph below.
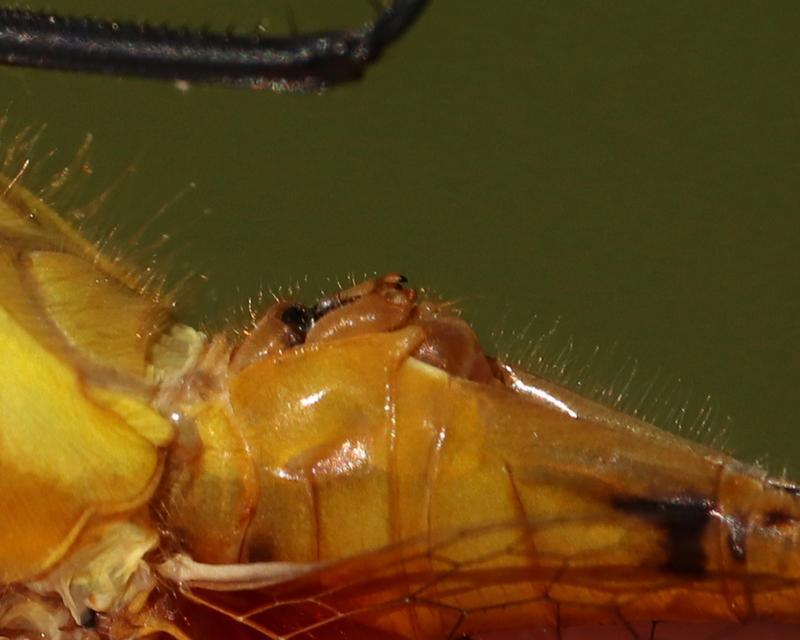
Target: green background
x=627 y=171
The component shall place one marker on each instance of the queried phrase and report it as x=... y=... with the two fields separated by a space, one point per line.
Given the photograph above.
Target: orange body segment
x=354 y=469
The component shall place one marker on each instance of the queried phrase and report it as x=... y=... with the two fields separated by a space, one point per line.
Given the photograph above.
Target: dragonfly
x=354 y=467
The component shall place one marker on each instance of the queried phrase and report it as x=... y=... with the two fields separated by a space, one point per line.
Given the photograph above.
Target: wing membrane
x=447 y=590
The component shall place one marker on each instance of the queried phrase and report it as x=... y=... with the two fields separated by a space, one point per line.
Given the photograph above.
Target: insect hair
x=151 y=263
x=612 y=378
x=605 y=375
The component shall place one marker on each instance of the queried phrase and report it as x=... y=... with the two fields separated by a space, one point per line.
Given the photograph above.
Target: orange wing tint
x=413 y=591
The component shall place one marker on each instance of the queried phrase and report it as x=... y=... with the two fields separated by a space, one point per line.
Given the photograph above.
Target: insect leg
x=301 y=62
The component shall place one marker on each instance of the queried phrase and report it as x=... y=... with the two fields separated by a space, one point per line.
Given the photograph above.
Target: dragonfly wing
x=475 y=584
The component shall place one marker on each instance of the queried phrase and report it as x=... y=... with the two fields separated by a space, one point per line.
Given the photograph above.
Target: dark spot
x=88 y=619
x=777 y=519
x=298 y=318
x=787 y=487
x=737 y=538
x=683 y=519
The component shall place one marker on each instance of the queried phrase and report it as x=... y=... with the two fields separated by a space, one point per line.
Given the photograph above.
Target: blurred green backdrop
x=627 y=170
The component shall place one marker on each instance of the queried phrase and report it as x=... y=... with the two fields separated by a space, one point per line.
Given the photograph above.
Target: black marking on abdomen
x=683 y=519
